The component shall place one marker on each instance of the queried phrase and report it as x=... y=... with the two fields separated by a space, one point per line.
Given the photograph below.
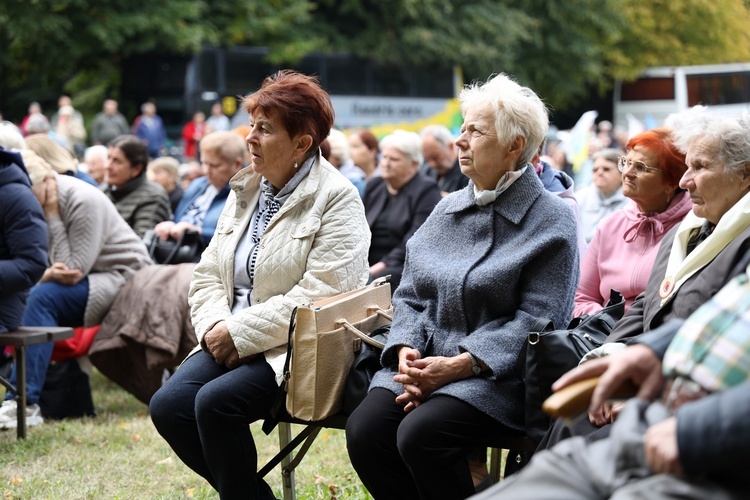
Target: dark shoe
x=6 y=366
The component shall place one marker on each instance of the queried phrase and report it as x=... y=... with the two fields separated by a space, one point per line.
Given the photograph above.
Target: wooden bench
x=520 y=450
x=19 y=339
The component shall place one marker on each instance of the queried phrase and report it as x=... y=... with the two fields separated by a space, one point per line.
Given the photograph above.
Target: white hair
x=339 y=145
x=518 y=112
x=441 y=134
x=11 y=137
x=94 y=151
x=729 y=135
x=409 y=143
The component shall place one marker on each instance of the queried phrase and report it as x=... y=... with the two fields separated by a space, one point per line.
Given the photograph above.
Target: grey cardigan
x=476 y=279
x=91 y=236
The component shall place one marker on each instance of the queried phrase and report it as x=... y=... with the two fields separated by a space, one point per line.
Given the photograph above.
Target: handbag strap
x=175 y=249
x=275 y=413
x=539 y=326
x=362 y=336
x=381 y=312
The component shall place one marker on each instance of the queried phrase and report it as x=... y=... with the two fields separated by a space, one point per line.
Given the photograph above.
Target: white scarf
x=483 y=198
x=680 y=266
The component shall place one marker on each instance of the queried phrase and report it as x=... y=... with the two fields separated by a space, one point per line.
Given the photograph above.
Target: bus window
x=648 y=89
x=726 y=88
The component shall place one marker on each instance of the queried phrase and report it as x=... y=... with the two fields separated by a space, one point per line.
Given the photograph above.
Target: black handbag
x=366 y=364
x=548 y=354
x=66 y=392
x=188 y=248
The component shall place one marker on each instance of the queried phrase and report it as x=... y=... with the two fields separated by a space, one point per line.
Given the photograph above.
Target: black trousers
x=204 y=412
x=420 y=454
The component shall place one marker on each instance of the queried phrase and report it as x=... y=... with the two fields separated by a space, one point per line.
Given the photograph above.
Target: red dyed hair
x=368 y=139
x=302 y=105
x=661 y=142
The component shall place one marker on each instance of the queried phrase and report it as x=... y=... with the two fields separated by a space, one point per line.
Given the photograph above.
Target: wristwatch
x=475 y=367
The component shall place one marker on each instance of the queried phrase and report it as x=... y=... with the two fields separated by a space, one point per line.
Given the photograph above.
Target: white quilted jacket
x=315 y=247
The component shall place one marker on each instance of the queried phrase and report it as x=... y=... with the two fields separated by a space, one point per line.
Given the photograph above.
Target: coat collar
x=513 y=204
x=247 y=180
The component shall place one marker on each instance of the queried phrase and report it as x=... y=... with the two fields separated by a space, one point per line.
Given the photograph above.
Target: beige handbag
x=323 y=344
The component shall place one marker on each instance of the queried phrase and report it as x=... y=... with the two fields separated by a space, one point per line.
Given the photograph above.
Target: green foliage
x=561 y=48
x=680 y=32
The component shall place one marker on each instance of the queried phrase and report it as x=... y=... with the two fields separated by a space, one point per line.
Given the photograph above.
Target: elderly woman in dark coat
x=489 y=260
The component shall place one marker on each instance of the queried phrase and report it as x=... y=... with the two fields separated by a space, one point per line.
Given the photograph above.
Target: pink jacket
x=622 y=253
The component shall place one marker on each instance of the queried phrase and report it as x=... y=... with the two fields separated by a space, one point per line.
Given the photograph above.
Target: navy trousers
x=204 y=411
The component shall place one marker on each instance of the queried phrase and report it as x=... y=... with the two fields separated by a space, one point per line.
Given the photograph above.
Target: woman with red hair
x=625 y=244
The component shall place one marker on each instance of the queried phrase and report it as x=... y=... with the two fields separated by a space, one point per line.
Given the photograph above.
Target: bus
x=661 y=91
x=364 y=93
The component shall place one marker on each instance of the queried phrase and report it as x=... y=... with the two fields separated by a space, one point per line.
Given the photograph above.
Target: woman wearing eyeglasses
x=699 y=255
x=604 y=195
x=622 y=251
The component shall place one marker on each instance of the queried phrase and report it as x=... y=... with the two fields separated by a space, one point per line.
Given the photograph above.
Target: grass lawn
x=119 y=455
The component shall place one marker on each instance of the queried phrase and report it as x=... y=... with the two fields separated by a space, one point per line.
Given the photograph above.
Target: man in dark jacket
x=23 y=239
x=441 y=159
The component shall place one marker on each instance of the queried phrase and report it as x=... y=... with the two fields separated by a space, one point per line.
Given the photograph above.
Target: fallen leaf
x=324 y=435
x=8 y=494
x=319 y=479
x=334 y=490
x=123 y=425
x=167 y=460
x=104 y=443
x=136 y=438
x=189 y=492
x=16 y=480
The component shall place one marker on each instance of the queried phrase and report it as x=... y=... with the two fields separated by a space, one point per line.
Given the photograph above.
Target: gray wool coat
x=476 y=279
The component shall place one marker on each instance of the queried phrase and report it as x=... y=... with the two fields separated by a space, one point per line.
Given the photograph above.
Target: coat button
x=243 y=204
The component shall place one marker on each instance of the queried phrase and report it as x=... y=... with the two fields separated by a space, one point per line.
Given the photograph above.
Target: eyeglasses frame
x=639 y=166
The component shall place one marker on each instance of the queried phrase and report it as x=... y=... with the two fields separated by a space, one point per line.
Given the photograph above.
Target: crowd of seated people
x=475 y=255
x=92 y=253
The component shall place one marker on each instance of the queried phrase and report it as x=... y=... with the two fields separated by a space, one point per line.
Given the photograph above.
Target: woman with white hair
x=397 y=203
x=693 y=452
x=489 y=261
